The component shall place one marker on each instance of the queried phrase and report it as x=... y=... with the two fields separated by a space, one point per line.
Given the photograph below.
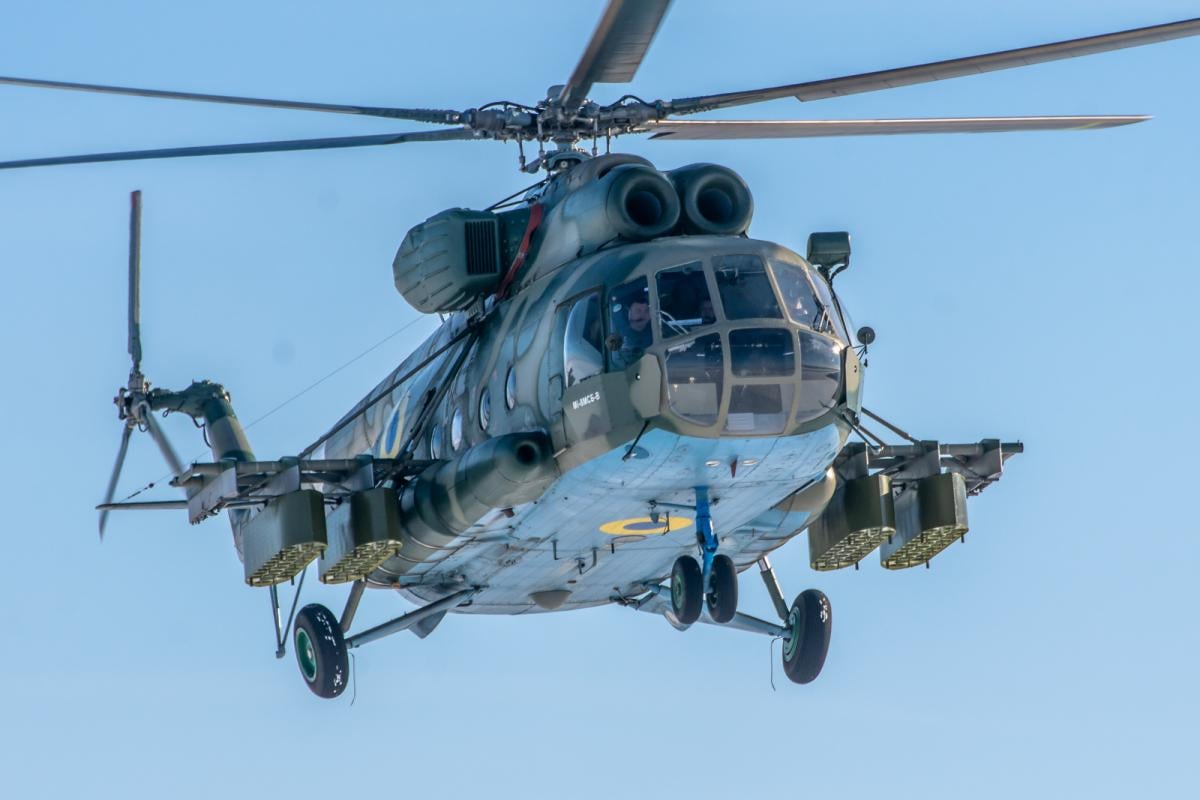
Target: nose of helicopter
x=733 y=382
x=754 y=381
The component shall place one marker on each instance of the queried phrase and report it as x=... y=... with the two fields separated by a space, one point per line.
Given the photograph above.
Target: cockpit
x=750 y=344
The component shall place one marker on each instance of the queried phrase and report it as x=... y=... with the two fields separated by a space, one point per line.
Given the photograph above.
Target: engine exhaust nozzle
x=713 y=200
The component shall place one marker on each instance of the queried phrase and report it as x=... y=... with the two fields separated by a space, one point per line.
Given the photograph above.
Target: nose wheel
x=722 y=595
x=687 y=590
x=713 y=585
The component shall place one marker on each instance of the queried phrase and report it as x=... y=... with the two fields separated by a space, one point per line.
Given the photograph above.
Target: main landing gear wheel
x=687 y=590
x=722 y=597
x=321 y=651
x=809 y=624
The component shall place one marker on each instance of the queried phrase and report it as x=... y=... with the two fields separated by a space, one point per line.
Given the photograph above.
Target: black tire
x=810 y=623
x=722 y=597
x=687 y=590
x=321 y=651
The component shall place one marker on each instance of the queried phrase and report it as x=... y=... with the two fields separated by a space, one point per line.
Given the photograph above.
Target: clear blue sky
x=1038 y=286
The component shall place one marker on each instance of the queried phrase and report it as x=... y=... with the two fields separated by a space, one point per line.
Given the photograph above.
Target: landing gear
x=806 y=625
x=687 y=590
x=806 y=643
x=714 y=584
x=321 y=651
x=722 y=595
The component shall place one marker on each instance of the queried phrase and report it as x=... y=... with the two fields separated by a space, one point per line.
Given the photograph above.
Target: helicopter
x=538 y=453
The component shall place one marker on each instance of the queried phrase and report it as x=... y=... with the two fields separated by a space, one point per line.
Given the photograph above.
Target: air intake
x=483 y=246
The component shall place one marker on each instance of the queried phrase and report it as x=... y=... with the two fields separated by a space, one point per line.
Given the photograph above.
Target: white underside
x=556 y=543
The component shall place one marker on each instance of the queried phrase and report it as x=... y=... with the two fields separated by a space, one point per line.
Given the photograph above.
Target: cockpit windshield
x=746 y=291
x=683 y=300
x=749 y=343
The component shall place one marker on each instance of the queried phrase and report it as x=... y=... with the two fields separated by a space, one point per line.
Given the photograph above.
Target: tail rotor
x=132 y=400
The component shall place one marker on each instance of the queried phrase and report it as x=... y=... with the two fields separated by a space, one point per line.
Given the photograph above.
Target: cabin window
x=435 y=442
x=456 y=429
x=683 y=300
x=746 y=291
x=629 y=320
x=485 y=409
x=820 y=375
x=695 y=377
x=583 y=341
x=510 y=388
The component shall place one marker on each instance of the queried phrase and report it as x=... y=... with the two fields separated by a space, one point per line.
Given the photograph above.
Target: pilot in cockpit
x=685 y=303
x=635 y=334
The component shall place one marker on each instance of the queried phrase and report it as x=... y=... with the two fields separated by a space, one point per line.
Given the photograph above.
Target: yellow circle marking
x=644 y=526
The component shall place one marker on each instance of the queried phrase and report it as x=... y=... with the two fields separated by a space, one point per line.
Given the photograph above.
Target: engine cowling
x=629 y=202
x=451 y=496
x=449 y=260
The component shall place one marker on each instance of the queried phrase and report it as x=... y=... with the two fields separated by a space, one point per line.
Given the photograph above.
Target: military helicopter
x=629 y=402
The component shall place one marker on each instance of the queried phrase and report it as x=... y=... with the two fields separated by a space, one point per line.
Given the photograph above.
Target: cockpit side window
x=684 y=303
x=798 y=296
x=629 y=321
x=746 y=291
x=820 y=375
x=583 y=341
x=834 y=324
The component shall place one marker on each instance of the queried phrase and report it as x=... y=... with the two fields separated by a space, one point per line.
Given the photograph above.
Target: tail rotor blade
x=116 y=474
x=135 y=279
x=164 y=446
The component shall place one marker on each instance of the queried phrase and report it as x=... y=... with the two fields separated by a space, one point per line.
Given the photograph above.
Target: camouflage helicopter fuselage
x=745 y=399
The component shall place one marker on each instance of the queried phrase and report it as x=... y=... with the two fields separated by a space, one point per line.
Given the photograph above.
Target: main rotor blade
x=438 y=116
x=116 y=474
x=617 y=48
x=807 y=128
x=164 y=446
x=135 y=279
x=941 y=70
x=445 y=134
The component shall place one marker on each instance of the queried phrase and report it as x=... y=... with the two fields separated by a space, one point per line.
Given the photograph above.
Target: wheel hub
x=306 y=654
x=793 y=641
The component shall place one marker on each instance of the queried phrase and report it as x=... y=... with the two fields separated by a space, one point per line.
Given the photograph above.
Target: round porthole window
x=456 y=430
x=485 y=409
x=435 y=442
x=510 y=389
